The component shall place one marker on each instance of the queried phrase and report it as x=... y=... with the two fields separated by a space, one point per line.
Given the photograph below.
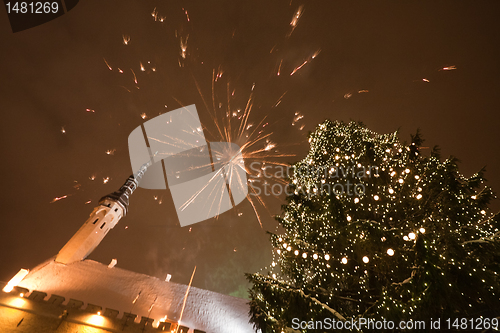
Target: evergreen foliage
x=409 y=238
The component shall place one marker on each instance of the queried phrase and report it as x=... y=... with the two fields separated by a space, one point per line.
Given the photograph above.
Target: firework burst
x=233 y=125
x=230 y=107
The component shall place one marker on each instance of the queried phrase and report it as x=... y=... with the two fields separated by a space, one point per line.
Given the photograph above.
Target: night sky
x=380 y=63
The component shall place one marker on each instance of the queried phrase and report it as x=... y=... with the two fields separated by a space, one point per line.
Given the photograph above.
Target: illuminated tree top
x=375 y=228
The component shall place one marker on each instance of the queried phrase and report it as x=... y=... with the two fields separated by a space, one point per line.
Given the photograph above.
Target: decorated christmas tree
x=379 y=229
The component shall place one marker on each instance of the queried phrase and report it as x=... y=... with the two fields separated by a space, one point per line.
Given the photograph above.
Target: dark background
x=52 y=73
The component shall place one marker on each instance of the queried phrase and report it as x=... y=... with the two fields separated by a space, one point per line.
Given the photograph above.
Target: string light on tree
x=419 y=230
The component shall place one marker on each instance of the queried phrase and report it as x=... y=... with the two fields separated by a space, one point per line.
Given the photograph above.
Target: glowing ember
x=297 y=117
x=183 y=43
x=186 y=12
x=295 y=19
x=126 y=39
x=305 y=62
x=109 y=67
x=279 y=99
x=135 y=78
x=449 y=68
x=269 y=145
x=59 y=198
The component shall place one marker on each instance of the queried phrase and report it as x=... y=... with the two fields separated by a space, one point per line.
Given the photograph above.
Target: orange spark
x=58 y=198
x=279 y=67
x=296 y=118
x=108 y=65
x=269 y=145
x=298 y=67
x=314 y=55
x=295 y=19
x=135 y=78
x=279 y=100
x=449 y=68
x=184 y=46
x=186 y=12
x=185 y=298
